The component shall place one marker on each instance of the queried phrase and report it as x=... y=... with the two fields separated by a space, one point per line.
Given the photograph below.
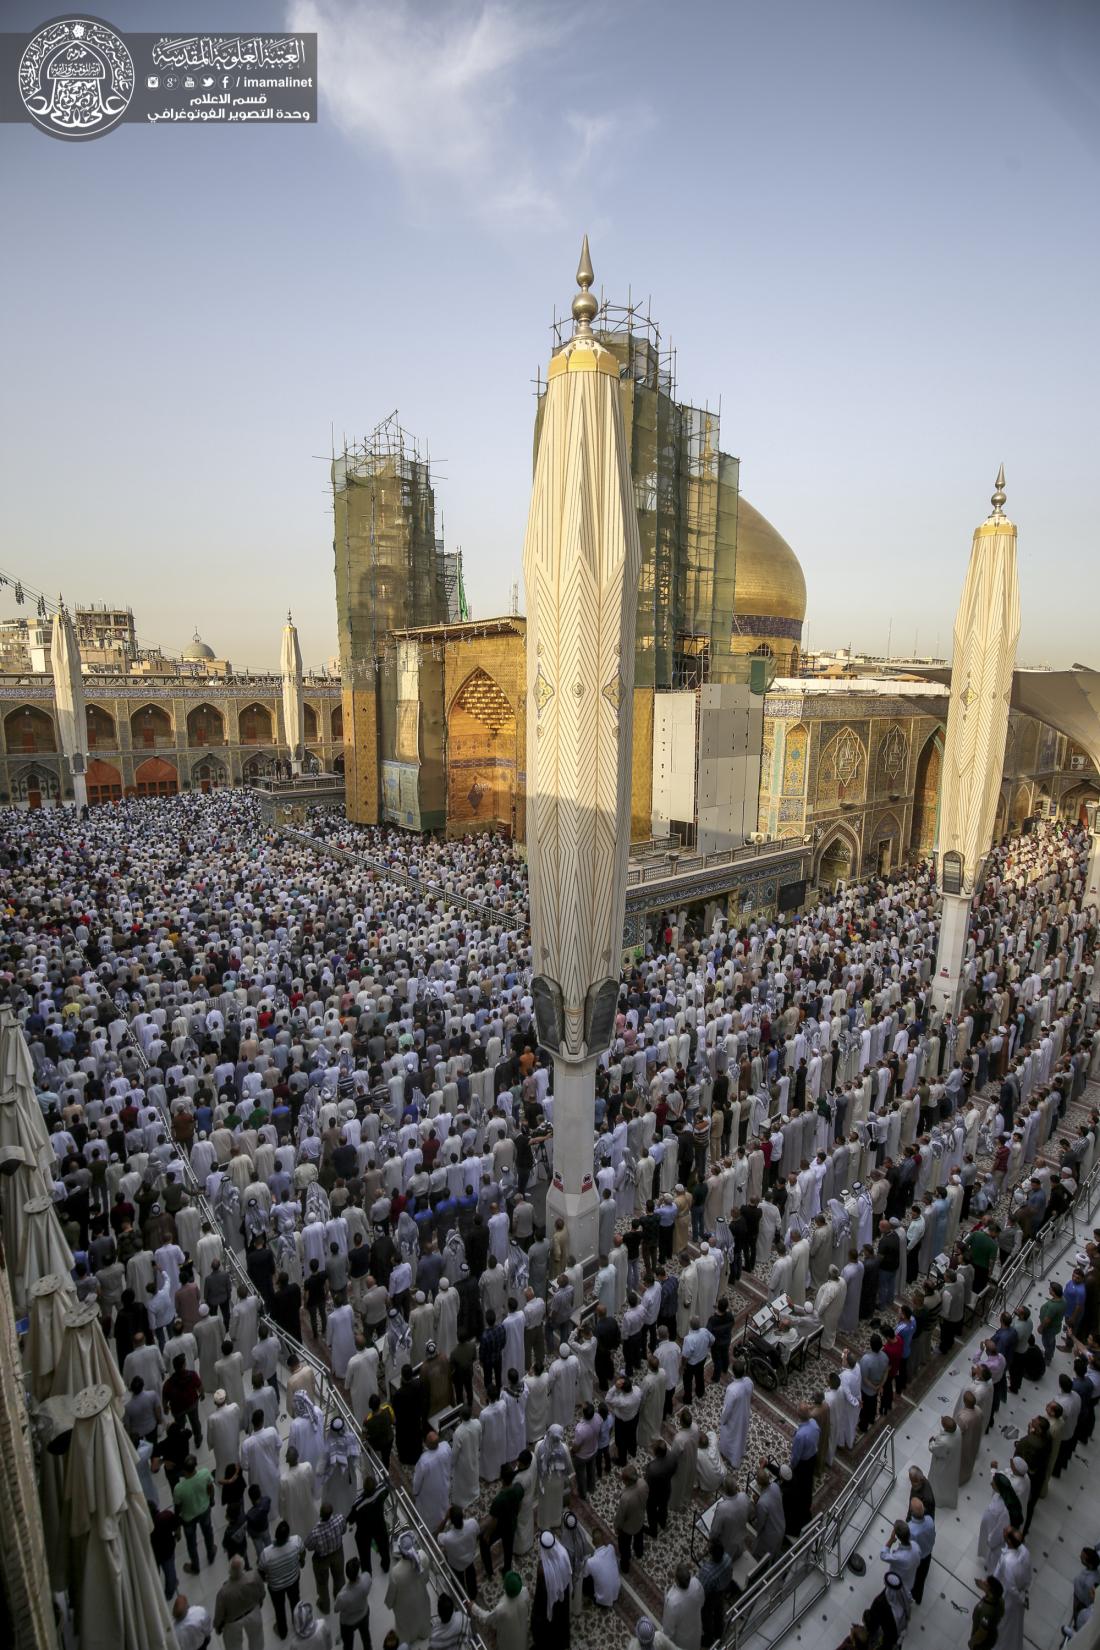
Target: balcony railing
x=692 y=864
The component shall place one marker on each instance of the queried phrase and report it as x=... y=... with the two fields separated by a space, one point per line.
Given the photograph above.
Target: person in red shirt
x=894 y=1349
x=181 y=1393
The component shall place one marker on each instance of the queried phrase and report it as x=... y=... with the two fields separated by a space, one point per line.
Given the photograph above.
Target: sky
x=868 y=229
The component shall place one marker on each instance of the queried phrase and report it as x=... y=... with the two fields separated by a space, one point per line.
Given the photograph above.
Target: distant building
x=854 y=764
x=157 y=737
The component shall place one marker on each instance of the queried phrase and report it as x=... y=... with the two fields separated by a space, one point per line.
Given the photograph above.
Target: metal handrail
x=1033 y=1259
x=867 y=1488
x=754 y=1611
x=403 y=1513
x=693 y=863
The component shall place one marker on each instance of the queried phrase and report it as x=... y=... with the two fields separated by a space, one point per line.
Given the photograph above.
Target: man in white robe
x=514 y=1325
x=851 y=1390
x=341 y=1339
x=563 y=1387
x=260 y=1460
x=361 y=1377
x=800 y=1270
x=707 y=1269
x=1013 y=1571
x=431 y=1484
x=537 y=1417
x=651 y=1409
x=466 y=1461
x=494 y=1439
x=945 y=1447
x=685 y=1295
x=223 y=1434
x=605 y=1286
x=828 y=1306
x=297 y=1495
x=446 y=1318
x=779 y=1278
x=620 y=1262
x=733 y=1431
x=515 y=1418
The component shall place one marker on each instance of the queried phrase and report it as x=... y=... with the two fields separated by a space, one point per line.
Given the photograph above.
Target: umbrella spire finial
x=585 y=306
x=998 y=497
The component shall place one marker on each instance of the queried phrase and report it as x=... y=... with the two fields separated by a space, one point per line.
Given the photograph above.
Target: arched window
x=255 y=724
x=29 y=729
x=102 y=733
x=150 y=727
x=205 y=726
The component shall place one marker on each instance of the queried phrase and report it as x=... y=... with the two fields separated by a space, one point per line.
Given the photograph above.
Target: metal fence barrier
x=859 y=1503
x=784 y=1594
x=777 y=1602
x=1035 y=1257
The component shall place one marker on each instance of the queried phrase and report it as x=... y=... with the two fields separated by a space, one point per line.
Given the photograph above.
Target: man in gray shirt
x=874 y=1367
x=352 y=1605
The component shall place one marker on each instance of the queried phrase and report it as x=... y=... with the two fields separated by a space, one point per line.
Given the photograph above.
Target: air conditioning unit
x=757 y=837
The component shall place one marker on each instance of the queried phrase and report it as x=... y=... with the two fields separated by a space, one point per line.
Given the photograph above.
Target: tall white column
x=581 y=565
x=293 y=717
x=954 y=928
x=987 y=626
x=572 y=1191
x=68 y=693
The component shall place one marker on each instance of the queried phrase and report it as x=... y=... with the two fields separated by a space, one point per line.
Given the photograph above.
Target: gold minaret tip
x=998 y=497
x=289 y=616
x=584 y=304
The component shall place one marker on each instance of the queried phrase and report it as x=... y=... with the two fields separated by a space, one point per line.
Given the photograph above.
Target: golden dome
x=768 y=581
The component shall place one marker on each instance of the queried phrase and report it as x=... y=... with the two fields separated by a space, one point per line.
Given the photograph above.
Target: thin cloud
x=441 y=93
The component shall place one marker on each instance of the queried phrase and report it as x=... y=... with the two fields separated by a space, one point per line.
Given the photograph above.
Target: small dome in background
x=198 y=649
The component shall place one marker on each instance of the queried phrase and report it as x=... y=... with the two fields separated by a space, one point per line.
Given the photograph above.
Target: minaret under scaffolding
x=390 y=575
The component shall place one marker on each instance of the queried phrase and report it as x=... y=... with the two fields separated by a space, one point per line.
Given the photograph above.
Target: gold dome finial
x=584 y=304
x=998 y=498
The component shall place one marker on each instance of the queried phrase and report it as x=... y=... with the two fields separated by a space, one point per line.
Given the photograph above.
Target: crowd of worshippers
x=1023 y=1472
x=351 y=1070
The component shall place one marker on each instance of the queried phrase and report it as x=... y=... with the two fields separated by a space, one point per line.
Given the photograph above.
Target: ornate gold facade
x=858 y=770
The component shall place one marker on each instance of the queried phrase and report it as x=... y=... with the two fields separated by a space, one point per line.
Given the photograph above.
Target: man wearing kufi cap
x=223 y=1433
x=648 y=1636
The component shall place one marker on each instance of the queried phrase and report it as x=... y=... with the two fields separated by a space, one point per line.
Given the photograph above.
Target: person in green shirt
x=982 y=1246
x=193 y=1498
x=503 y=1516
x=1052 y=1315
